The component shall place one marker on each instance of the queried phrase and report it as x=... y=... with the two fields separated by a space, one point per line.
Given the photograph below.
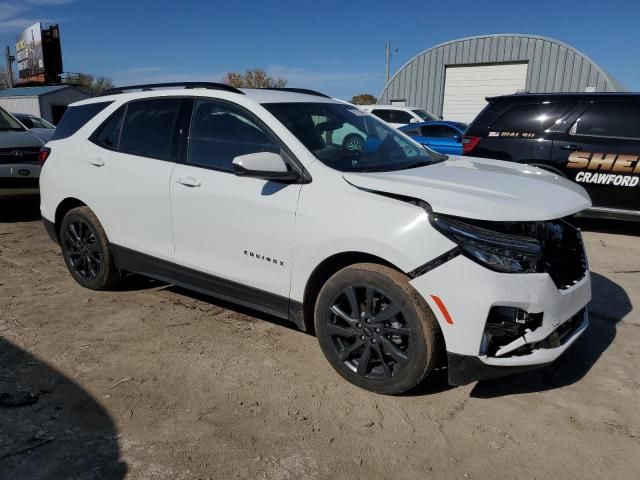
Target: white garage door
x=465 y=88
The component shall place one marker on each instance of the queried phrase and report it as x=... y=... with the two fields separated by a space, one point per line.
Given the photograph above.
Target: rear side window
x=108 y=134
x=610 y=119
x=75 y=118
x=383 y=114
x=149 y=126
x=531 y=117
x=439 y=131
x=400 y=116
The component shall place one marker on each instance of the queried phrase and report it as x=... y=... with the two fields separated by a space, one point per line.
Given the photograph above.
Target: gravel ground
x=154 y=382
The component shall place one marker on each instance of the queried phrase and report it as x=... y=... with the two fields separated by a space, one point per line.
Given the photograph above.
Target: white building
x=48 y=102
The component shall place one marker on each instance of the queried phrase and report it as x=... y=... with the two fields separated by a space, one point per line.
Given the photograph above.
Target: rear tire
x=86 y=250
x=375 y=329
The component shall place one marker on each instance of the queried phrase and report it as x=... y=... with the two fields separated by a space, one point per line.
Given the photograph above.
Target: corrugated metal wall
x=553 y=67
x=62 y=98
x=28 y=105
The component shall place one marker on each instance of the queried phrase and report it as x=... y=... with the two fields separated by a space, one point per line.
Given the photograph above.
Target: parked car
x=441 y=136
x=398 y=258
x=591 y=138
x=398 y=116
x=19 y=165
x=36 y=125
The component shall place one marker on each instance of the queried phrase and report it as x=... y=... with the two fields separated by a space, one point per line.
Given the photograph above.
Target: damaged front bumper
x=546 y=322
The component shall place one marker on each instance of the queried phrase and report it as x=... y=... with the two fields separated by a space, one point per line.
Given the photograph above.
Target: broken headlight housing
x=507 y=247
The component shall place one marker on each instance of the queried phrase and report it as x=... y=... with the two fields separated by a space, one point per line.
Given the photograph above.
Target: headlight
x=501 y=246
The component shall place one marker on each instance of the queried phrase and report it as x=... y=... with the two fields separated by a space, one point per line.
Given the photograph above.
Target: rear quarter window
x=76 y=117
x=610 y=119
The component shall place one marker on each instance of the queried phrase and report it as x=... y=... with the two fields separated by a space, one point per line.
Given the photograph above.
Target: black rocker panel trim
x=233 y=292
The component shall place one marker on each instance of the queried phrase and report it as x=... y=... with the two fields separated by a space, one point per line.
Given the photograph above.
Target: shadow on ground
x=609 y=306
x=22 y=209
x=599 y=225
x=50 y=428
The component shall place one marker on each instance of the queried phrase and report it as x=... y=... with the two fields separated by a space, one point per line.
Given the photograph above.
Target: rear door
x=441 y=138
x=126 y=171
x=600 y=151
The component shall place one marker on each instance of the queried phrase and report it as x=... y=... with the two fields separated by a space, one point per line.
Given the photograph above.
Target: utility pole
x=9 y=59
x=389 y=52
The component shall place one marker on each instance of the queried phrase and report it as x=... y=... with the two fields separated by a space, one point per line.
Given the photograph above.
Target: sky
x=336 y=47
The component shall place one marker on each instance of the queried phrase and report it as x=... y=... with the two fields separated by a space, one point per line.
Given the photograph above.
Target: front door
x=236 y=230
x=600 y=152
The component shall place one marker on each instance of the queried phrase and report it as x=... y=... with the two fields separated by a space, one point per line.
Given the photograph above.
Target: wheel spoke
x=363 y=361
x=91 y=272
x=402 y=331
x=72 y=241
x=346 y=353
x=386 y=314
x=74 y=233
x=338 y=331
x=368 y=303
x=385 y=367
x=350 y=292
x=338 y=311
x=392 y=350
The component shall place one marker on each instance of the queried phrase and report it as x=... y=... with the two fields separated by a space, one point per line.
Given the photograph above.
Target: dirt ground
x=154 y=382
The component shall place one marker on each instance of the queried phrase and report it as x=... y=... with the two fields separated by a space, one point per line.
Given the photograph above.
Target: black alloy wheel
x=368 y=332
x=83 y=250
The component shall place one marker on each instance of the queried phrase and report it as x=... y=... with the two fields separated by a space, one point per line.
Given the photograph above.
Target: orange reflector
x=443 y=309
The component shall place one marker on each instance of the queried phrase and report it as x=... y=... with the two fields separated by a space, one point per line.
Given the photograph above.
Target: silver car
x=36 y=125
x=19 y=164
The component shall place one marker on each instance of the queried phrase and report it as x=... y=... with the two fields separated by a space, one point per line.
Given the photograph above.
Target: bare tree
x=255 y=78
x=363 y=99
x=93 y=85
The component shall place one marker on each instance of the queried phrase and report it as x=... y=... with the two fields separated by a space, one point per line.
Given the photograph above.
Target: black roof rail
x=306 y=91
x=151 y=86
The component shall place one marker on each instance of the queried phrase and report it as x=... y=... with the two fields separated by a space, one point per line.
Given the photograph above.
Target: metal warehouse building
x=48 y=102
x=452 y=79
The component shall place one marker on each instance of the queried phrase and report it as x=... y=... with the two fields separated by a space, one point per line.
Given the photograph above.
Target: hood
x=9 y=139
x=482 y=189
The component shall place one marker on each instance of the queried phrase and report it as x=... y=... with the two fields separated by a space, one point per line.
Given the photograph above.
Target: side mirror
x=264 y=165
x=441 y=117
x=414 y=120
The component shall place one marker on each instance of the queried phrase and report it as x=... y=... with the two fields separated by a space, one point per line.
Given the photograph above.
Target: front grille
x=19 y=155
x=563 y=255
x=16 y=182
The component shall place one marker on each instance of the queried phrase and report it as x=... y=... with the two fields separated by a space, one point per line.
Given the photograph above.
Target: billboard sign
x=29 y=55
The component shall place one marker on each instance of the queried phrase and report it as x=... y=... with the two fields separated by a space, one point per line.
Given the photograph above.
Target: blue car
x=441 y=136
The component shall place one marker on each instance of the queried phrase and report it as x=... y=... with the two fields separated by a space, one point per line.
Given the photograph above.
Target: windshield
x=7 y=122
x=424 y=115
x=350 y=140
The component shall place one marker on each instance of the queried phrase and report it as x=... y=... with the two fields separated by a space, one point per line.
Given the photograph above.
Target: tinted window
x=439 y=131
x=149 y=127
x=412 y=132
x=75 y=118
x=383 y=114
x=39 y=123
x=108 y=134
x=220 y=132
x=531 y=117
x=610 y=120
x=400 y=116
x=424 y=115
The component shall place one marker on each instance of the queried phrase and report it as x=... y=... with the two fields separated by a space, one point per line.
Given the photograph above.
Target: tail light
x=44 y=154
x=469 y=143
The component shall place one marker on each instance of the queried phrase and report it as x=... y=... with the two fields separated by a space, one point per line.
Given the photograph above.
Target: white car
x=398 y=116
x=398 y=258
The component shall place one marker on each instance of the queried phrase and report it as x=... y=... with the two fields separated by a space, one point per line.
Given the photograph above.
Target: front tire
x=86 y=250
x=375 y=329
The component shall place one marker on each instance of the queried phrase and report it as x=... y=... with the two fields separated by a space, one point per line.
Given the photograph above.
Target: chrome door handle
x=189 y=182
x=570 y=147
x=97 y=162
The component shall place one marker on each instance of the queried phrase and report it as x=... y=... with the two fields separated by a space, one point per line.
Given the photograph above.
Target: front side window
x=383 y=114
x=321 y=127
x=424 y=115
x=610 y=119
x=148 y=127
x=221 y=132
x=74 y=119
x=400 y=116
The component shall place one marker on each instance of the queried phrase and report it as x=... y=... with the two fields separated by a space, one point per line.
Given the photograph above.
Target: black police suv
x=590 y=138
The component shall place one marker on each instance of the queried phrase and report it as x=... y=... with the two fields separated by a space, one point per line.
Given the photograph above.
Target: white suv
x=400 y=259
x=399 y=116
